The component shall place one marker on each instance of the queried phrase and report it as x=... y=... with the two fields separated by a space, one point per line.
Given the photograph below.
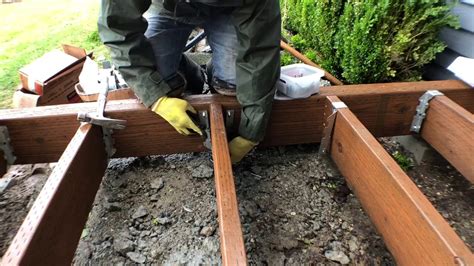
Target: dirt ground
x=295 y=210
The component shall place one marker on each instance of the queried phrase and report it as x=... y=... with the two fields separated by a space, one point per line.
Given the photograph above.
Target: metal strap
x=329 y=128
x=422 y=108
x=5 y=145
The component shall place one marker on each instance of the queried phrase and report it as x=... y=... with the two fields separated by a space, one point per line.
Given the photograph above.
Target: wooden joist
x=52 y=228
x=449 y=129
x=230 y=231
x=414 y=232
x=41 y=134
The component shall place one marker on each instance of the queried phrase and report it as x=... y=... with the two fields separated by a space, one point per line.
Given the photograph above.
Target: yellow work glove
x=239 y=147
x=174 y=110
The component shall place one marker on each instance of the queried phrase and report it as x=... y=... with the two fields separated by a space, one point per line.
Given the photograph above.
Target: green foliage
x=405 y=162
x=286 y=59
x=370 y=40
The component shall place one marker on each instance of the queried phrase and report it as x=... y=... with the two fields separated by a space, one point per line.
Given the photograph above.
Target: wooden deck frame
x=383 y=110
x=41 y=134
x=415 y=233
x=232 y=241
x=51 y=231
x=449 y=129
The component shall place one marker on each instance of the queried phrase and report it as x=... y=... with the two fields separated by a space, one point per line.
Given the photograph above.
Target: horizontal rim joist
x=41 y=134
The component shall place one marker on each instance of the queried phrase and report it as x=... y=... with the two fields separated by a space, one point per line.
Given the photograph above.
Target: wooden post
x=449 y=129
x=52 y=228
x=414 y=232
x=232 y=242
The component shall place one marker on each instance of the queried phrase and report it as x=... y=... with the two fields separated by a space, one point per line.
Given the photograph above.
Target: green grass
x=33 y=27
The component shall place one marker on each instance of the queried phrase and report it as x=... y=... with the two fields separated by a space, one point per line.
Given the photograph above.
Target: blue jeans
x=168 y=36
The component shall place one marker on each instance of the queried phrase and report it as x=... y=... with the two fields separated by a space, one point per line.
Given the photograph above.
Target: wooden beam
x=449 y=129
x=232 y=242
x=414 y=232
x=41 y=134
x=52 y=228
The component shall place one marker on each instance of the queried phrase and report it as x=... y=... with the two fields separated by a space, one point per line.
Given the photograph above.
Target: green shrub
x=371 y=40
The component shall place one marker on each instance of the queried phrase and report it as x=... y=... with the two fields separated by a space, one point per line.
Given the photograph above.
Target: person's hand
x=239 y=147
x=173 y=110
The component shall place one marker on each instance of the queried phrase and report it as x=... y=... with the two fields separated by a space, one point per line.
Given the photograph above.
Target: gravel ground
x=295 y=209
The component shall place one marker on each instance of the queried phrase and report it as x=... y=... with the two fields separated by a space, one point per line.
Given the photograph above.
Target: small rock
x=136 y=257
x=210 y=244
x=123 y=245
x=207 y=231
x=140 y=212
x=202 y=171
x=113 y=207
x=338 y=256
x=353 y=245
x=157 y=184
x=154 y=197
x=163 y=220
x=336 y=245
x=316 y=226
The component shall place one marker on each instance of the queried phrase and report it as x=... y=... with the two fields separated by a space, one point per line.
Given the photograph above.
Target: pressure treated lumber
x=450 y=130
x=414 y=232
x=41 y=134
x=307 y=61
x=52 y=228
x=230 y=231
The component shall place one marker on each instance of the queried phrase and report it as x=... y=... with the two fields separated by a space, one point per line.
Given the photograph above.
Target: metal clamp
x=98 y=118
x=421 y=109
x=329 y=128
x=5 y=145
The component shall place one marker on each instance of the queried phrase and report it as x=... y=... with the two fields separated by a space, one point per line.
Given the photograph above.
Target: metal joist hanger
x=422 y=108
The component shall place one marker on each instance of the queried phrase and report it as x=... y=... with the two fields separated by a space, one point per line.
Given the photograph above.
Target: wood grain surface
x=52 y=228
x=449 y=129
x=230 y=230
x=414 y=232
x=41 y=134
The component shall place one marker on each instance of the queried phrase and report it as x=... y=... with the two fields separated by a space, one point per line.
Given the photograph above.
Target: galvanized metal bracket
x=6 y=146
x=205 y=124
x=422 y=108
x=329 y=128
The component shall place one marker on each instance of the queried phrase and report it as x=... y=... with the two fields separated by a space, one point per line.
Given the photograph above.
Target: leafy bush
x=364 y=41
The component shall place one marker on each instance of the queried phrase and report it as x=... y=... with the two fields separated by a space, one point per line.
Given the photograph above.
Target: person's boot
x=224 y=88
x=218 y=85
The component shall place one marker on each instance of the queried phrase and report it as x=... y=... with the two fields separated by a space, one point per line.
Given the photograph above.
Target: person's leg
x=168 y=39
x=223 y=41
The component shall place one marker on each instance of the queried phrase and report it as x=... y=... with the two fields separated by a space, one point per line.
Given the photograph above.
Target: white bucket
x=298 y=81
